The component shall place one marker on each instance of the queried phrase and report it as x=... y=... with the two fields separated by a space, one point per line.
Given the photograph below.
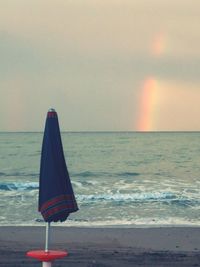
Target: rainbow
x=147 y=110
x=158 y=47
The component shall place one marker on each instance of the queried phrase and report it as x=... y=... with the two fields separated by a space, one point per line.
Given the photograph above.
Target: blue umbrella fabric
x=56 y=196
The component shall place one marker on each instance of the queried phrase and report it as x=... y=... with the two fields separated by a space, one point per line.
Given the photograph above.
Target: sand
x=104 y=247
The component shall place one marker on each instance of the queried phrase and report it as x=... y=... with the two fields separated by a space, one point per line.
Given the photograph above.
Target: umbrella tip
x=51 y=113
x=51 y=110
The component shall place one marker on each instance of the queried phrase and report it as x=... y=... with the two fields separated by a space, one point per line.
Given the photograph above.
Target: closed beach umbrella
x=56 y=196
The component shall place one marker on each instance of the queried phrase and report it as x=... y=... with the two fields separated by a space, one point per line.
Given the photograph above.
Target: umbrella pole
x=47 y=237
x=45 y=263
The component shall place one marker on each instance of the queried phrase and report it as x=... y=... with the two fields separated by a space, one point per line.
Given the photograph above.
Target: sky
x=104 y=65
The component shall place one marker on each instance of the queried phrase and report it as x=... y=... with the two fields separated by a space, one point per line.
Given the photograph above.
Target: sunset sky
x=104 y=65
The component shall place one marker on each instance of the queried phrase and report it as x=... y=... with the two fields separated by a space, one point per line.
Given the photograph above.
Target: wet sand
x=104 y=247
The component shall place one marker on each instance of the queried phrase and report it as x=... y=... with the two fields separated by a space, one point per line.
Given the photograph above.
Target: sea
x=120 y=179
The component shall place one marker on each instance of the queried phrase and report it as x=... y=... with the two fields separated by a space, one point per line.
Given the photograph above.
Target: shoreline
x=118 y=226
x=100 y=247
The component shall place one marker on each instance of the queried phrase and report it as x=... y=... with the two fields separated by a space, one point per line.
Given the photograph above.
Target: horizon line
x=110 y=131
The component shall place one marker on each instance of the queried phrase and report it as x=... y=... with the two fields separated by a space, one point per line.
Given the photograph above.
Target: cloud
x=89 y=58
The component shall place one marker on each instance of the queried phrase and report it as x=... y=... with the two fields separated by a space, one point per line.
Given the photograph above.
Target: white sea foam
x=19 y=186
x=127 y=197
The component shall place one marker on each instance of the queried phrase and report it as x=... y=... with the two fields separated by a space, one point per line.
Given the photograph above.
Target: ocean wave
x=167 y=198
x=148 y=197
x=89 y=174
x=126 y=174
x=127 y=197
x=84 y=184
x=19 y=186
x=18 y=174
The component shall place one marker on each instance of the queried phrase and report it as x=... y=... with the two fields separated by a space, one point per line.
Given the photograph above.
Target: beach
x=103 y=247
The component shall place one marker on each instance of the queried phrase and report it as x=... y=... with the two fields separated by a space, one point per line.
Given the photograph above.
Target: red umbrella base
x=51 y=255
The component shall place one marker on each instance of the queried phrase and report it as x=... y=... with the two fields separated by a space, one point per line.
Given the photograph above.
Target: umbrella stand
x=47 y=256
x=47 y=237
